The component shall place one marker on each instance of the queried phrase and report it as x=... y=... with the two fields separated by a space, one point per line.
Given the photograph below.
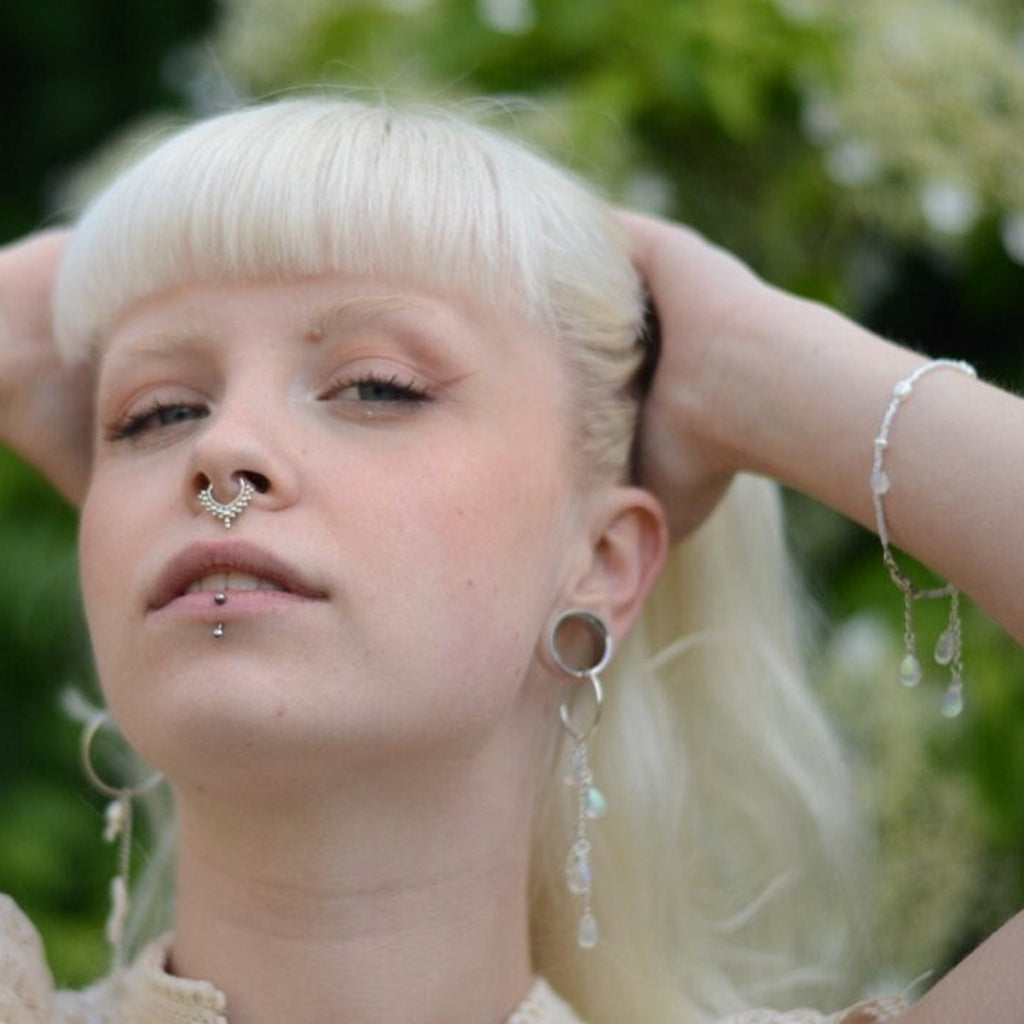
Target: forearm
x=799 y=395
x=987 y=987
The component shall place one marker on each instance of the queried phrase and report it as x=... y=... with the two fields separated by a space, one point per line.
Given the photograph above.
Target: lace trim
x=874 y=1011
x=149 y=995
x=543 y=1006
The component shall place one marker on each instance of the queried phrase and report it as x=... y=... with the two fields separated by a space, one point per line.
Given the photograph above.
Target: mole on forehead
x=365 y=309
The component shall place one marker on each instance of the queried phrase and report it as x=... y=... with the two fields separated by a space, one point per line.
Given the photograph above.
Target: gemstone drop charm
x=910 y=670
x=944 y=648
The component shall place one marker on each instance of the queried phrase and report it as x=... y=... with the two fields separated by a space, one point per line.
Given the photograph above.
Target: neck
x=393 y=900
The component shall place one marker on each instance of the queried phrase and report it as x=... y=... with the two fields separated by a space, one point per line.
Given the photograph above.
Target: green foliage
x=71 y=71
x=50 y=860
x=690 y=106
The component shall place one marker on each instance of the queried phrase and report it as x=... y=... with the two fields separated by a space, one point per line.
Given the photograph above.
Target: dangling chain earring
x=590 y=801
x=118 y=827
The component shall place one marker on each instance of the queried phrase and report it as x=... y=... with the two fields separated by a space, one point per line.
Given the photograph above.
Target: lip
x=202 y=559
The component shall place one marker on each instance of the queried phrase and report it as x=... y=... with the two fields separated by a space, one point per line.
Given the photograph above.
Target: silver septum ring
x=234 y=508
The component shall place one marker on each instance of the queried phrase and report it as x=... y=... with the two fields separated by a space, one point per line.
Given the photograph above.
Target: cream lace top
x=147 y=994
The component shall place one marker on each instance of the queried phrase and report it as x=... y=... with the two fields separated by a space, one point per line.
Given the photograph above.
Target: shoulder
x=874 y=1011
x=26 y=987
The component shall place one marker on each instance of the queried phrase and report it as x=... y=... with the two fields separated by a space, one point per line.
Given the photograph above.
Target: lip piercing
x=234 y=508
x=220 y=598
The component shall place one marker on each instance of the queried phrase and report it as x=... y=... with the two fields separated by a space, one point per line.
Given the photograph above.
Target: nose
x=240 y=461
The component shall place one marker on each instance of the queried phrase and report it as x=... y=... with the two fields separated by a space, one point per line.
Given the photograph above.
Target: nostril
x=258 y=480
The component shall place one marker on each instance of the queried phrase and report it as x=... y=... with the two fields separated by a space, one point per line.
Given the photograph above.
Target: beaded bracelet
x=948 y=647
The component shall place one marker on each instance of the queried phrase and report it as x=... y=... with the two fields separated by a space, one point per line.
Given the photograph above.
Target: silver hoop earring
x=118 y=828
x=234 y=508
x=581 y=646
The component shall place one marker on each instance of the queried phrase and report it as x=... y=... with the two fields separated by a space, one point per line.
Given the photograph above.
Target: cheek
x=95 y=558
x=109 y=541
x=493 y=543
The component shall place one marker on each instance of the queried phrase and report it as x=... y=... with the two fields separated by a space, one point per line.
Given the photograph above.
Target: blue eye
x=161 y=414
x=375 y=389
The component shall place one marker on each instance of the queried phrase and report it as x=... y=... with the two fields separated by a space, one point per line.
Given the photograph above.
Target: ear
x=628 y=543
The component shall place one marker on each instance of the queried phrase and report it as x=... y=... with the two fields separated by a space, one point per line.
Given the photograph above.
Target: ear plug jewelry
x=573 y=630
x=234 y=508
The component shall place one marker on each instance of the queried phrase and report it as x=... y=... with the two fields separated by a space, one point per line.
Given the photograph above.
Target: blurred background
x=868 y=154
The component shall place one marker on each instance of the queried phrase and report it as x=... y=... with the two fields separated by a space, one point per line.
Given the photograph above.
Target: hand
x=45 y=405
x=701 y=293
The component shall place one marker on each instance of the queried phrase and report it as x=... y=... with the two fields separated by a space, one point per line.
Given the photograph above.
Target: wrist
x=737 y=399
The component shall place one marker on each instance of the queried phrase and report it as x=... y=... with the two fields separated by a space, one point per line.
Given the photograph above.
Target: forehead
x=311 y=313
x=372 y=196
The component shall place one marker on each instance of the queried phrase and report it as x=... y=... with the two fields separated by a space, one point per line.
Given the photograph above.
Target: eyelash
x=151 y=418
x=402 y=391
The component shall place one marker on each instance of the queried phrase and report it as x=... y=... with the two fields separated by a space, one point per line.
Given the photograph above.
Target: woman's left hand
x=700 y=293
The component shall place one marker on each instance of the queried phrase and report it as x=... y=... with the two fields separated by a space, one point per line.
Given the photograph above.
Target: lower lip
x=239 y=604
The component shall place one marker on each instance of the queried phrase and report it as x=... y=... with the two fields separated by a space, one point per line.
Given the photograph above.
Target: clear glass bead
x=577 y=874
x=597 y=803
x=910 y=670
x=953 y=701
x=944 y=648
x=880 y=482
x=587 y=933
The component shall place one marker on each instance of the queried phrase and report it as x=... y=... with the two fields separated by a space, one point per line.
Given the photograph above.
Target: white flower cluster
x=926 y=126
x=921 y=125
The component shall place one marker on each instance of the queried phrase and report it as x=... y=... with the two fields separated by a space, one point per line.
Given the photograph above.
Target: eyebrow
x=436 y=330
x=157 y=345
x=362 y=310
x=349 y=314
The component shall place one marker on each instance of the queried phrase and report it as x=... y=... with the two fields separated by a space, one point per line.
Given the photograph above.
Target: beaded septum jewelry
x=226 y=513
x=949 y=646
x=590 y=802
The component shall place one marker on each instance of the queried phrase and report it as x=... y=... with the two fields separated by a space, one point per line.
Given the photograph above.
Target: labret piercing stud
x=234 y=508
x=220 y=598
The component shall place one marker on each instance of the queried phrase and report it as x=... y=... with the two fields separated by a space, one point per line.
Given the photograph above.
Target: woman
x=359 y=534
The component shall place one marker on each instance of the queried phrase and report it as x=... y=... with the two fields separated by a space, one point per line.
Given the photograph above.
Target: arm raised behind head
x=757 y=380
x=754 y=379
x=45 y=405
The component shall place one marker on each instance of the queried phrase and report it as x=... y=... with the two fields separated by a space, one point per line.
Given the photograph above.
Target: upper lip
x=202 y=559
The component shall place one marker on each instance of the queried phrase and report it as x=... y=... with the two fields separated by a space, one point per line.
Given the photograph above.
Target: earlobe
x=628 y=547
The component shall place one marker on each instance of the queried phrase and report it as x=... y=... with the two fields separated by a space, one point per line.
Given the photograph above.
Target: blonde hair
x=731 y=850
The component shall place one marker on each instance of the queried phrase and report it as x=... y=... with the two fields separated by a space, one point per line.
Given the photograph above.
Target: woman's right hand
x=45 y=405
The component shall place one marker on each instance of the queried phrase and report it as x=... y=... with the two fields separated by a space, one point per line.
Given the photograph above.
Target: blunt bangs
x=305 y=187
